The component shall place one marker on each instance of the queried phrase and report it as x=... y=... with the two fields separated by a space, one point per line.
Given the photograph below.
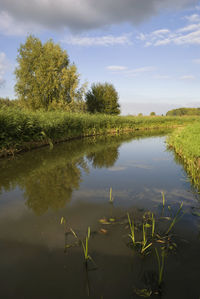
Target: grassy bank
x=22 y=130
x=186 y=143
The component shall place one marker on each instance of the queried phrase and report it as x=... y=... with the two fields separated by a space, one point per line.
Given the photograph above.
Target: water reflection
x=48 y=178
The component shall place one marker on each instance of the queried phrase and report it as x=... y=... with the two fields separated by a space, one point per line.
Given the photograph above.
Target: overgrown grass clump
x=23 y=129
x=186 y=143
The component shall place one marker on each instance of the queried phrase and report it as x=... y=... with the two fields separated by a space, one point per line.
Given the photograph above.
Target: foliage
x=152 y=114
x=6 y=102
x=45 y=77
x=103 y=98
x=183 y=111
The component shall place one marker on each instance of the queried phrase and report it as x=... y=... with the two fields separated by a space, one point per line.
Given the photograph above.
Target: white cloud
x=3 y=67
x=116 y=68
x=187 y=35
x=188 y=77
x=193 y=18
x=80 y=15
x=164 y=77
x=197 y=61
x=106 y=40
x=130 y=72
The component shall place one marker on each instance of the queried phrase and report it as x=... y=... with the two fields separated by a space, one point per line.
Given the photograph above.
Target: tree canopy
x=102 y=98
x=45 y=77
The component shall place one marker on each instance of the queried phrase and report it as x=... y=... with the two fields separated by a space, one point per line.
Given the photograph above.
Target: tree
x=45 y=76
x=103 y=98
x=152 y=114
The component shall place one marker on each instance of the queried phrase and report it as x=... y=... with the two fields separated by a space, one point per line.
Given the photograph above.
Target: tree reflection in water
x=48 y=178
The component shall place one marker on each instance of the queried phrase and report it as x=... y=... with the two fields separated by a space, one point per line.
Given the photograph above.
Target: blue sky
x=149 y=49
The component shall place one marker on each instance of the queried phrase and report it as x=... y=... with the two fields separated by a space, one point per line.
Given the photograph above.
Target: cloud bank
x=79 y=15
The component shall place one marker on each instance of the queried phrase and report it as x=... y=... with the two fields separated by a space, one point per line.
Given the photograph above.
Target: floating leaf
x=104 y=221
x=143 y=292
x=112 y=219
x=103 y=231
x=195 y=213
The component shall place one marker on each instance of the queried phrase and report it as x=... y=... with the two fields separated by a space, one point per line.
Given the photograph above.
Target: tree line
x=183 y=111
x=47 y=80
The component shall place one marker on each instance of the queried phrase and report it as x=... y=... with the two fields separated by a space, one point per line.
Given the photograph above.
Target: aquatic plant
x=144 y=241
x=160 y=265
x=111 y=200
x=132 y=230
x=86 y=246
x=163 y=200
x=176 y=219
x=153 y=225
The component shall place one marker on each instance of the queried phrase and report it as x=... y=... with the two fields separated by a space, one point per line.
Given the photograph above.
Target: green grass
x=23 y=129
x=186 y=143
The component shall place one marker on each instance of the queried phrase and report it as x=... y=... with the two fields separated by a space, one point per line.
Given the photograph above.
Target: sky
x=148 y=49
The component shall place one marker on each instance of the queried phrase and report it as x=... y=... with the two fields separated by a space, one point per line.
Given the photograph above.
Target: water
x=73 y=181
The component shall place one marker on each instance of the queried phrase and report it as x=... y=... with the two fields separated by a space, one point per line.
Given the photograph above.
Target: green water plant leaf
x=143 y=292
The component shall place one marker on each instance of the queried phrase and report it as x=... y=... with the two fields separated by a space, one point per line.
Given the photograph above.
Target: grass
x=186 y=144
x=23 y=129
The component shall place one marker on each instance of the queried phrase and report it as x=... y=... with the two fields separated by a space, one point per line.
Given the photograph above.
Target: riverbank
x=186 y=144
x=22 y=130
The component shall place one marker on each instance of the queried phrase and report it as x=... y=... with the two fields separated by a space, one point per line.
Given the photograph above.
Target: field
x=22 y=129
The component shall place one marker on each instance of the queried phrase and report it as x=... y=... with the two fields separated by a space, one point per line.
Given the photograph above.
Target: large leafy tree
x=102 y=98
x=45 y=77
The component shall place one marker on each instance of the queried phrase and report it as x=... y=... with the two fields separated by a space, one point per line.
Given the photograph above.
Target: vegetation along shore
x=186 y=143
x=22 y=129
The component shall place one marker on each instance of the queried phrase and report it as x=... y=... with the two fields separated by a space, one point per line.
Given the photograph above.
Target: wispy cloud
x=130 y=72
x=3 y=67
x=106 y=40
x=193 y=18
x=187 y=35
x=116 y=68
x=197 y=61
x=188 y=77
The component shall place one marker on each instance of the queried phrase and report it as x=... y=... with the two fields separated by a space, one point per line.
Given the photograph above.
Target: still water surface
x=73 y=181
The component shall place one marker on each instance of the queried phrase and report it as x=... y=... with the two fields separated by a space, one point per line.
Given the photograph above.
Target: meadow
x=23 y=129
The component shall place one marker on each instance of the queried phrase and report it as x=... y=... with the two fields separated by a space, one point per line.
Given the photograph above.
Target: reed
x=144 y=242
x=86 y=246
x=22 y=129
x=160 y=265
x=111 y=199
x=132 y=230
x=176 y=219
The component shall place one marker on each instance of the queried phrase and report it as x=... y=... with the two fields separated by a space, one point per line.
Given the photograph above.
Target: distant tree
x=152 y=114
x=102 y=98
x=45 y=76
x=6 y=102
x=140 y=114
x=183 y=111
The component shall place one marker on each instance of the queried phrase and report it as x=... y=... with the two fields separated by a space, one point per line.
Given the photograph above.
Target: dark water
x=73 y=181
